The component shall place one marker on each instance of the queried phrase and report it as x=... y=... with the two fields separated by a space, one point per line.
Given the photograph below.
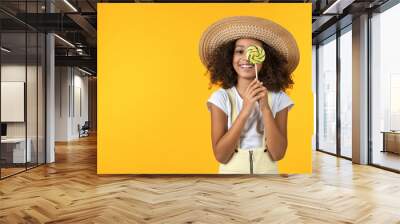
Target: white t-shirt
x=250 y=137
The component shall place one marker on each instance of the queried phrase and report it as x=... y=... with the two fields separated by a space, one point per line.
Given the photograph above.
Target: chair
x=84 y=130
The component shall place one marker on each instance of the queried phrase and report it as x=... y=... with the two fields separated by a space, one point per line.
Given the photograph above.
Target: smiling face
x=242 y=66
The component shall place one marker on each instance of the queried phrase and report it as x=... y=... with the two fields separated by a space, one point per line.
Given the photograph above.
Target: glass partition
x=385 y=89
x=327 y=95
x=346 y=93
x=14 y=153
x=22 y=88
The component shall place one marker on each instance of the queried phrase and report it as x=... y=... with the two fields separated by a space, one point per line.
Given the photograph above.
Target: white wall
x=16 y=73
x=80 y=84
x=62 y=81
x=12 y=101
x=13 y=72
x=71 y=93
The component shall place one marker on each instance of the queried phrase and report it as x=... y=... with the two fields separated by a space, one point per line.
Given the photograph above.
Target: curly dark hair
x=274 y=73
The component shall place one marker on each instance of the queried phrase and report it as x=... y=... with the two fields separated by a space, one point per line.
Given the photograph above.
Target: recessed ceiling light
x=337 y=7
x=71 y=6
x=64 y=40
x=84 y=71
x=5 y=50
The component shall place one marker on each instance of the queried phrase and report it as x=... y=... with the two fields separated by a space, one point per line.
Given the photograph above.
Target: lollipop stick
x=258 y=103
x=255 y=65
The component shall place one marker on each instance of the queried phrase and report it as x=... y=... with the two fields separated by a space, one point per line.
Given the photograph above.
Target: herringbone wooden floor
x=69 y=191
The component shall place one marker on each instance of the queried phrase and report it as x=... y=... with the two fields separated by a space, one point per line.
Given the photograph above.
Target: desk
x=16 y=148
x=391 y=141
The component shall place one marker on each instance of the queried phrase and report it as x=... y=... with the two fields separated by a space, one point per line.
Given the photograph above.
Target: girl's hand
x=254 y=92
x=264 y=104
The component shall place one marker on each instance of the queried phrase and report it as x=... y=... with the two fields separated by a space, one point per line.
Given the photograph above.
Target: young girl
x=249 y=115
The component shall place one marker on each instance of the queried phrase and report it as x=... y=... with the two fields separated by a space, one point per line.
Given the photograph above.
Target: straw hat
x=238 y=27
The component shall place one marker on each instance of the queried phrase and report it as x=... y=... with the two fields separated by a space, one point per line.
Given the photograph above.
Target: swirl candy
x=255 y=54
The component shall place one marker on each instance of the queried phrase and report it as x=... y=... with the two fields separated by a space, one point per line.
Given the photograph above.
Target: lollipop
x=255 y=55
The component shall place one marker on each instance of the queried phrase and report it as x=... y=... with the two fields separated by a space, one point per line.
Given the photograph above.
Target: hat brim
x=238 y=27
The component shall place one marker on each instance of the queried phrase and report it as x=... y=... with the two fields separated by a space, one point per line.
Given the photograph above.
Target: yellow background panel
x=152 y=87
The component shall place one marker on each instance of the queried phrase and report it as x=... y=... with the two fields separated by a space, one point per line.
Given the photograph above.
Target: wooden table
x=391 y=141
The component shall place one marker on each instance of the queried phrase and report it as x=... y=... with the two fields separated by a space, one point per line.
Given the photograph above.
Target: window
x=327 y=95
x=385 y=89
x=346 y=93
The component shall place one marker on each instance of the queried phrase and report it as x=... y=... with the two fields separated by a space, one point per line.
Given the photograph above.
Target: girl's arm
x=223 y=140
x=276 y=136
